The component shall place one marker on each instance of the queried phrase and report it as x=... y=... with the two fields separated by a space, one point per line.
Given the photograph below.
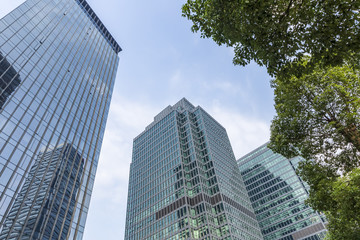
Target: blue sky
x=163 y=61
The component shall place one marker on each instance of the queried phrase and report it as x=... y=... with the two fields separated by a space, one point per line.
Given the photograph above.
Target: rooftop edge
x=100 y=26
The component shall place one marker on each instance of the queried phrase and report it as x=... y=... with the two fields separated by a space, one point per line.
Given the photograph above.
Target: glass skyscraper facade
x=57 y=70
x=185 y=183
x=57 y=170
x=277 y=195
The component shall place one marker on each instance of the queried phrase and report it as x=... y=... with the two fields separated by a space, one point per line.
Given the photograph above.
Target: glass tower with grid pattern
x=61 y=169
x=57 y=70
x=184 y=181
x=277 y=195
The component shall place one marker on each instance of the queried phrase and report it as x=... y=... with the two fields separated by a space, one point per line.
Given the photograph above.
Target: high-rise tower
x=184 y=181
x=277 y=195
x=57 y=171
x=57 y=71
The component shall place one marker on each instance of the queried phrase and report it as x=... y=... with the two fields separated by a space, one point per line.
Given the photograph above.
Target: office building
x=57 y=171
x=277 y=195
x=184 y=181
x=57 y=70
x=10 y=80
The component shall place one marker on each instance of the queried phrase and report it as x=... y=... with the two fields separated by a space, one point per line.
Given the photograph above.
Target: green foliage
x=318 y=117
x=274 y=33
x=344 y=216
x=312 y=47
x=336 y=196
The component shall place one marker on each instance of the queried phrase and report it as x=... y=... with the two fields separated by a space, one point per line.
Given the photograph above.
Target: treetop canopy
x=275 y=33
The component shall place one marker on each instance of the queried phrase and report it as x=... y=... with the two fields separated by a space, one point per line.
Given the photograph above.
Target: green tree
x=318 y=117
x=316 y=96
x=275 y=33
x=344 y=215
x=337 y=197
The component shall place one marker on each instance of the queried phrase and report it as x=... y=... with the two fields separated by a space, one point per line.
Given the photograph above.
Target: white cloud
x=127 y=119
x=176 y=80
x=224 y=86
x=191 y=83
x=245 y=133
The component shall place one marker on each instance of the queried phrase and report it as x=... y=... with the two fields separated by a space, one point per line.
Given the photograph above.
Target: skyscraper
x=10 y=80
x=184 y=181
x=57 y=170
x=277 y=195
x=57 y=70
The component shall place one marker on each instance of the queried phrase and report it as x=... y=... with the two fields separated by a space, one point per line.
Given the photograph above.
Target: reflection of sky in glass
x=277 y=195
x=53 y=207
x=67 y=70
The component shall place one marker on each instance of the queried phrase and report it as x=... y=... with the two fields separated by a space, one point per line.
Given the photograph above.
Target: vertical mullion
x=25 y=151
x=79 y=45
x=74 y=121
x=97 y=139
x=11 y=114
x=85 y=141
x=23 y=52
x=37 y=146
